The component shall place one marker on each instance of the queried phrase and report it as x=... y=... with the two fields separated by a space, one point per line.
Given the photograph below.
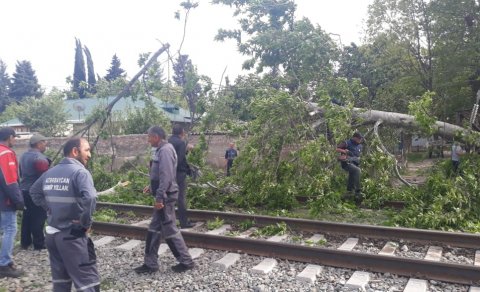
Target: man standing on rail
x=350 y=151
x=164 y=188
x=11 y=200
x=178 y=142
x=67 y=193
x=33 y=164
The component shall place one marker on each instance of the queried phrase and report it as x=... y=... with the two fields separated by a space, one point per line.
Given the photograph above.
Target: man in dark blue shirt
x=230 y=155
x=350 y=151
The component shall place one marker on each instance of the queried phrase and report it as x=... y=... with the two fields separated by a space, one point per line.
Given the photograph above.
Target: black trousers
x=182 y=201
x=354 y=172
x=229 y=165
x=33 y=221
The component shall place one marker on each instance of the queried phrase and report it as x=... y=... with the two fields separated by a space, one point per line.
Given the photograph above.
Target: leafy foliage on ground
x=447 y=200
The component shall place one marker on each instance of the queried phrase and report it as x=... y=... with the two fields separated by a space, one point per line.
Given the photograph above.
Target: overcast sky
x=43 y=32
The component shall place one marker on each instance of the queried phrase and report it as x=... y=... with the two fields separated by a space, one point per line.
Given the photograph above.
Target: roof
x=12 y=123
x=79 y=109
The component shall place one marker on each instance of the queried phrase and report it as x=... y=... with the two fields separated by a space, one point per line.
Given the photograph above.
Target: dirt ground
x=416 y=171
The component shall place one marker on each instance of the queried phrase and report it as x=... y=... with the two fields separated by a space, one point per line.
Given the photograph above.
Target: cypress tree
x=90 y=71
x=79 y=74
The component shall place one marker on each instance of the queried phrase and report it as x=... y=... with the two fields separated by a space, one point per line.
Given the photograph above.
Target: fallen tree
x=443 y=129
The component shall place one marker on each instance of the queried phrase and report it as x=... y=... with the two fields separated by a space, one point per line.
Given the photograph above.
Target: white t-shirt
x=456 y=149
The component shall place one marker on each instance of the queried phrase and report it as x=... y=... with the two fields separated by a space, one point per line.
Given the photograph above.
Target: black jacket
x=181 y=149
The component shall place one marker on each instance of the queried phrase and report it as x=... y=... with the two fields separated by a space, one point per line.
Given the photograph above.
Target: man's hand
x=190 y=147
x=146 y=190
x=20 y=206
x=158 y=205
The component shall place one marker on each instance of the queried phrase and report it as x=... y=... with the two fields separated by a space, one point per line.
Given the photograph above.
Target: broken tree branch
x=384 y=149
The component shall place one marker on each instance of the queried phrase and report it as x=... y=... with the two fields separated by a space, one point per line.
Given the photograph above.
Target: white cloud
x=43 y=32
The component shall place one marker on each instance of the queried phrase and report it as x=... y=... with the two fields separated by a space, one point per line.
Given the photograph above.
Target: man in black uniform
x=178 y=142
x=67 y=193
x=163 y=187
x=33 y=164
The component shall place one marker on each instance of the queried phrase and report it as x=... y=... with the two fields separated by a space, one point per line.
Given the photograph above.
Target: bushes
x=445 y=201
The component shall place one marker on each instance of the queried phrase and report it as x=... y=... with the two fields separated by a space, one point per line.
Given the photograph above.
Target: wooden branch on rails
x=111 y=190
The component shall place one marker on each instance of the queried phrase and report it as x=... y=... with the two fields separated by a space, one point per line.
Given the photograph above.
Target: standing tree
x=115 y=71
x=294 y=54
x=90 y=70
x=46 y=115
x=435 y=44
x=152 y=80
x=5 y=84
x=25 y=83
x=79 y=75
x=186 y=76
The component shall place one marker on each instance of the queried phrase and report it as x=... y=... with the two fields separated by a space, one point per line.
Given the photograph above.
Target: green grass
x=217 y=223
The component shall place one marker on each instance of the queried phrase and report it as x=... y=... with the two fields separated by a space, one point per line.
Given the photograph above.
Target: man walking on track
x=163 y=187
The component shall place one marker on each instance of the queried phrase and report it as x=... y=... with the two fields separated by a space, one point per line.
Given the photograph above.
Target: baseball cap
x=358 y=135
x=37 y=138
x=6 y=132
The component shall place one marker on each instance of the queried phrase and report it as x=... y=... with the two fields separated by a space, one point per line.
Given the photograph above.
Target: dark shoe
x=180 y=268
x=358 y=199
x=10 y=271
x=188 y=225
x=144 y=269
x=24 y=247
x=39 y=247
x=347 y=196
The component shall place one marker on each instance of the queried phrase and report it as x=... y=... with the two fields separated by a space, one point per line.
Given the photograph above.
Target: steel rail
x=447 y=272
x=458 y=239
x=387 y=204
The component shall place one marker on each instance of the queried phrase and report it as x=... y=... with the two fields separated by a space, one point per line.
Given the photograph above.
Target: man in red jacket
x=11 y=200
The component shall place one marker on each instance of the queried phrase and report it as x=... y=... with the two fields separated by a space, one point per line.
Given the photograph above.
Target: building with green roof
x=79 y=109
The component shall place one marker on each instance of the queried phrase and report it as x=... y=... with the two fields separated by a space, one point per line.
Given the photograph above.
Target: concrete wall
x=130 y=147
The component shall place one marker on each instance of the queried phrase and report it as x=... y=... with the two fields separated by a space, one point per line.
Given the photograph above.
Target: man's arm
x=459 y=150
x=9 y=179
x=342 y=148
x=86 y=195
x=181 y=153
x=41 y=165
x=37 y=195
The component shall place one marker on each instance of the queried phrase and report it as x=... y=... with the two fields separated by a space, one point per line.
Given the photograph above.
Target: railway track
x=433 y=269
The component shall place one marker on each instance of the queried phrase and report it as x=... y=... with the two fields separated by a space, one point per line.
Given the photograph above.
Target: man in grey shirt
x=164 y=188
x=67 y=193
x=456 y=153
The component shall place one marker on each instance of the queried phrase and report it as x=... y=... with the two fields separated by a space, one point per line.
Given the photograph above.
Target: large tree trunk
x=396 y=119
x=403 y=120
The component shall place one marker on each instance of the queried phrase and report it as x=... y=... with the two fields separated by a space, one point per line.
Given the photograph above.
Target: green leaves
x=45 y=115
x=422 y=111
